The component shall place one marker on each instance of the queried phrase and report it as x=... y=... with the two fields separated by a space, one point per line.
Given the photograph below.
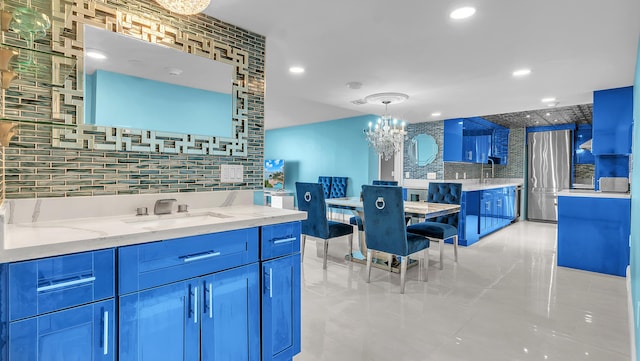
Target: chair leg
x=441 y=245
x=326 y=251
x=403 y=272
x=350 y=256
x=304 y=240
x=389 y=261
x=426 y=264
x=455 y=247
x=369 y=259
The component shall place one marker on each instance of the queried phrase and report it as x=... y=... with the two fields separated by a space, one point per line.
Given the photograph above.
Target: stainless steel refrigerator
x=549 y=171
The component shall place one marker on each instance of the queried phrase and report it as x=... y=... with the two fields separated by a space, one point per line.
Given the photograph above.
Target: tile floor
x=505 y=300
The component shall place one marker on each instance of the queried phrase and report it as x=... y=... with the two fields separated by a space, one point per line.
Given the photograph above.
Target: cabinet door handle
x=195 y=304
x=200 y=256
x=210 y=300
x=284 y=240
x=65 y=284
x=105 y=336
x=270 y=283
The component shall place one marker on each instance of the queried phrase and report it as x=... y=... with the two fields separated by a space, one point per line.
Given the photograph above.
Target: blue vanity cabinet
x=280 y=263
x=60 y=308
x=192 y=298
x=80 y=333
x=205 y=318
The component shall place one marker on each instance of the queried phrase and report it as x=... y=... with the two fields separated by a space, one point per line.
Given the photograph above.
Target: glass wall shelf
x=47 y=68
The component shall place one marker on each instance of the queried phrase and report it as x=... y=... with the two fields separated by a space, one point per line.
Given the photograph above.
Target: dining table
x=419 y=209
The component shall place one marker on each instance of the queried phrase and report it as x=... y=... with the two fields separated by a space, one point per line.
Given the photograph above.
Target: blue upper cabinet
x=612 y=121
x=475 y=140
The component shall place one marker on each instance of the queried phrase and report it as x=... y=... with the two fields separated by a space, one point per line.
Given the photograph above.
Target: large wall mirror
x=108 y=115
x=135 y=84
x=423 y=149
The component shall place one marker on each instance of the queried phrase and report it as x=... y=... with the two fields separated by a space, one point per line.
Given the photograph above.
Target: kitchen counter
x=592 y=194
x=52 y=235
x=468 y=185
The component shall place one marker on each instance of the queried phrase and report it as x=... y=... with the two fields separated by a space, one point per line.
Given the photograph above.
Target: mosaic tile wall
x=36 y=169
x=434 y=129
x=584 y=171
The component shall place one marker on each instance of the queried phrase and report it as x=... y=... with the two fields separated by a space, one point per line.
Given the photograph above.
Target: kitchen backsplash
x=33 y=168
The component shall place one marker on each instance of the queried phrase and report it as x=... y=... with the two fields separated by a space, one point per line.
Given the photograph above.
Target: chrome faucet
x=163 y=206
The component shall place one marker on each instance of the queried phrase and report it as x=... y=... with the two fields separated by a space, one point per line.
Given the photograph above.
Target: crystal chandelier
x=184 y=7
x=387 y=136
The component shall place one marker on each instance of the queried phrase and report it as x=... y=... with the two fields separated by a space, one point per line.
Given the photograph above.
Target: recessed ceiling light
x=555 y=120
x=296 y=70
x=462 y=13
x=548 y=99
x=548 y=114
x=96 y=54
x=528 y=116
x=436 y=114
x=521 y=72
x=354 y=85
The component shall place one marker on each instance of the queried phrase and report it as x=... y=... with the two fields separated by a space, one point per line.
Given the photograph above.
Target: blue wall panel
x=333 y=148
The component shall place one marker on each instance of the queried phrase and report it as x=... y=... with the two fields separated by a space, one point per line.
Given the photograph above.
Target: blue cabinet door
x=230 y=315
x=281 y=308
x=79 y=333
x=160 y=323
x=612 y=121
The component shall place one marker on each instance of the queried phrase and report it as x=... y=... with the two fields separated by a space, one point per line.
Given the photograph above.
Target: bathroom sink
x=175 y=218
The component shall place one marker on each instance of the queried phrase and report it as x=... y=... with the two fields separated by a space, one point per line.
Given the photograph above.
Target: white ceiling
x=459 y=68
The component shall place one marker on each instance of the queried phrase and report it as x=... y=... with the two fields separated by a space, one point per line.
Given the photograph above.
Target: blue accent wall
x=331 y=148
x=635 y=207
x=153 y=105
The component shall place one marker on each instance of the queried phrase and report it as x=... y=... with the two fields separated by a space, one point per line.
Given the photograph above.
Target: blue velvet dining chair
x=441 y=228
x=386 y=230
x=311 y=200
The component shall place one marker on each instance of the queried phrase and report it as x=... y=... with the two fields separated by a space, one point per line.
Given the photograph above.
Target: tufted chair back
x=338 y=187
x=326 y=185
x=311 y=200
x=449 y=193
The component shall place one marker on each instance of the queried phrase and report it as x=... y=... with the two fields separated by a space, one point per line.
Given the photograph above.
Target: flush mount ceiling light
x=296 y=70
x=521 y=72
x=436 y=114
x=184 y=7
x=462 y=13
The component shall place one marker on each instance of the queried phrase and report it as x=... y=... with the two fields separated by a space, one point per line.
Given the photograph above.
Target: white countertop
x=592 y=194
x=468 y=185
x=24 y=240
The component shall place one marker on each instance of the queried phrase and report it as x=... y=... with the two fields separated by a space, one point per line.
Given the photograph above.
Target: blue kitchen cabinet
x=80 y=333
x=280 y=263
x=582 y=134
x=475 y=140
x=612 y=121
x=593 y=233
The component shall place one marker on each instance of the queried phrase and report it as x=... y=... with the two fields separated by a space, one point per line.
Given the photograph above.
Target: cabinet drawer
x=50 y=284
x=279 y=240
x=153 y=264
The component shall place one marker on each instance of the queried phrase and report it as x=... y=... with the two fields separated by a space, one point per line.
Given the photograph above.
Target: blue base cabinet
x=79 y=333
x=280 y=259
x=207 y=318
x=485 y=211
x=231 y=295
x=593 y=234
